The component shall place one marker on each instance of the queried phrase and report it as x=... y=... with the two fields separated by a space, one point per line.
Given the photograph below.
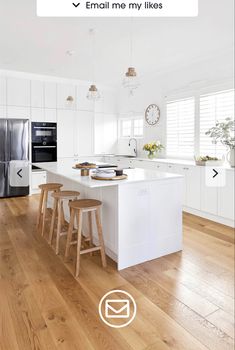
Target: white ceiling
x=39 y=45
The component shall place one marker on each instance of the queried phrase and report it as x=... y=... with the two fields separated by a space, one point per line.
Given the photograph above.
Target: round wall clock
x=152 y=114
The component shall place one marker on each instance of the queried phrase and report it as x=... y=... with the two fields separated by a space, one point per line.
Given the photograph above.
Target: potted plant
x=152 y=148
x=224 y=132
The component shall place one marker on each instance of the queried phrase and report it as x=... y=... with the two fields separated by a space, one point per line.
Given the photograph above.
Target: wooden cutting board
x=121 y=177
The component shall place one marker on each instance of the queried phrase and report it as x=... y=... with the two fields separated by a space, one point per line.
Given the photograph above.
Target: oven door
x=44 y=132
x=41 y=154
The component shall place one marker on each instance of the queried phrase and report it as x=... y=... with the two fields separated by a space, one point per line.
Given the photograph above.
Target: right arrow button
x=216 y=173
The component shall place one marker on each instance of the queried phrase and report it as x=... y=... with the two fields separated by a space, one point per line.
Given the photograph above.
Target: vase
x=231 y=157
x=151 y=155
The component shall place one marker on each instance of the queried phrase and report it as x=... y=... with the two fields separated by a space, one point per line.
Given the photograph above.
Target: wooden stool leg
x=100 y=234
x=60 y=208
x=40 y=208
x=62 y=216
x=70 y=232
x=90 y=230
x=53 y=220
x=79 y=240
x=44 y=209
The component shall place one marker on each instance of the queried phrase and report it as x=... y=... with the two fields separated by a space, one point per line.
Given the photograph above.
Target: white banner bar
x=112 y=8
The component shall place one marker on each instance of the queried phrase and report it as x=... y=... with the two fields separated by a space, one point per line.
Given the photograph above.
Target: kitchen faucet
x=135 y=149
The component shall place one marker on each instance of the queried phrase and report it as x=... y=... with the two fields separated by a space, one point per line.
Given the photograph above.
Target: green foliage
x=223 y=132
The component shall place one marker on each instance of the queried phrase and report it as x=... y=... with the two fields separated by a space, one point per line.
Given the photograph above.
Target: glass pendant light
x=131 y=81
x=93 y=93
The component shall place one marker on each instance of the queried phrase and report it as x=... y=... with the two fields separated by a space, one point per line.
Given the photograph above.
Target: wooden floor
x=184 y=300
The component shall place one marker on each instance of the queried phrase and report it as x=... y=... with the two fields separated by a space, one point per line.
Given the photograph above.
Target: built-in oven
x=44 y=142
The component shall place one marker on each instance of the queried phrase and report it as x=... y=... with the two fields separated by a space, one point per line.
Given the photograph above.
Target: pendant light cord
x=92 y=35
x=131 y=42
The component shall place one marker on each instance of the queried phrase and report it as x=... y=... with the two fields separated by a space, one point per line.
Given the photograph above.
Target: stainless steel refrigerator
x=14 y=157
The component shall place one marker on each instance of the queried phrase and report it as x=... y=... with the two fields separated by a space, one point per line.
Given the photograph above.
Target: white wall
x=43 y=98
x=154 y=89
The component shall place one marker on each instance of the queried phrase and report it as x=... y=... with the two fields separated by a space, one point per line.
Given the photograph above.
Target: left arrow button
x=19 y=173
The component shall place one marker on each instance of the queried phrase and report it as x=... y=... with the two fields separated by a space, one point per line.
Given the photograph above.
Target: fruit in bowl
x=85 y=165
x=202 y=160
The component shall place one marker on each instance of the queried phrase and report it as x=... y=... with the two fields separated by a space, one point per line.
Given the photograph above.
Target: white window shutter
x=180 y=128
x=214 y=107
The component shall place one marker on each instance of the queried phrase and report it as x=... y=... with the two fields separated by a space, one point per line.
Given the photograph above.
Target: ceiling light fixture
x=131 y=80
x=93 y=93
x=69 y=101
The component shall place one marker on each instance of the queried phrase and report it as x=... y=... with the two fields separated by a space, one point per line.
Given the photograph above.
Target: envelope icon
x=117 y=308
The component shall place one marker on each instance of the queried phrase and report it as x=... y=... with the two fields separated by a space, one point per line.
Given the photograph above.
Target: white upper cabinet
x=84 y=133
x=226 y=207
x=37 y=114
x=99 y=105
x=3 y=111
x=37 y=93
x=50 y=115
x=105 y=133
x=18 y=92
x=17 y=112
x=99 y=133
x=3 y=98
x=110 y=102
x=66 y=124
x=63 y=91
x=50 y=94
x=110 y=133
x=82 y=102
x=107 y=102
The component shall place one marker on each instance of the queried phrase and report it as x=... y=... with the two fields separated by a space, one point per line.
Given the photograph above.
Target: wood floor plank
x=223 y=320
x=194 y=323
x=30 y=329
x=184 y=300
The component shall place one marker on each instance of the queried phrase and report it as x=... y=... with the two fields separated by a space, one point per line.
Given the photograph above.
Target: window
x=214 y=107
x=133 y=127
x=138 y=127
x=180 y=127
x=126 y=128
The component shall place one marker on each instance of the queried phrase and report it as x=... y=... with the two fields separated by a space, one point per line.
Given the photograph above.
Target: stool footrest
x=63 y=233
x=90 y=250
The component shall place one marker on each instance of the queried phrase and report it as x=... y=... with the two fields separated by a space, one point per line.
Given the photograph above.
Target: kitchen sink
x=125 y=156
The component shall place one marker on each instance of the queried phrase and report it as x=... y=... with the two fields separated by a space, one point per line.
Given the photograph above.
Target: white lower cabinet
x=193 y=186
x=226 y=197
x=38 y=178
x=209 y=196
x=160 y=166
x=216 y=203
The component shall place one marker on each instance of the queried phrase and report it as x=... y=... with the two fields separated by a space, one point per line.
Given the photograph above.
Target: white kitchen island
x=141 y=216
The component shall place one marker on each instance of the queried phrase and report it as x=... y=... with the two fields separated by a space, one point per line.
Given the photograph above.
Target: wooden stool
x=45 y=188
x=59 y=198
x=79 y=207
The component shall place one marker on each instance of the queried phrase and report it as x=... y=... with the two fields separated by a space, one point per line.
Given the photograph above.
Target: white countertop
x=64 y=168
